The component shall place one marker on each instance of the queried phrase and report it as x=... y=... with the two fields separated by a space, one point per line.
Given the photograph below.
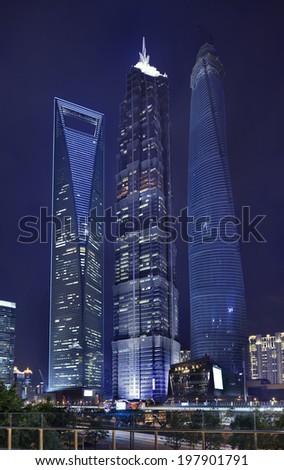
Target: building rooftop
x=144 y=64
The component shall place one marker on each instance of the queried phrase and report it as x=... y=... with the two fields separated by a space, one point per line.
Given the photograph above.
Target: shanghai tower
x=217 y=300
x=145 y=294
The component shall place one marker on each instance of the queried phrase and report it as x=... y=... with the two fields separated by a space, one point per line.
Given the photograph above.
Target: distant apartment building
x=266 y=355
x=7 y=341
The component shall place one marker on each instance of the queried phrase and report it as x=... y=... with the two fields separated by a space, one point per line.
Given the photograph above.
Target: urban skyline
x=39 y=74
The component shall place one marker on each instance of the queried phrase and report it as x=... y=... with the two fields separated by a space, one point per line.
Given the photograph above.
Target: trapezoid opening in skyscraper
x=76 y=279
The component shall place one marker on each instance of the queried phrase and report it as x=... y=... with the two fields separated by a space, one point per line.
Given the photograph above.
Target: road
x=140 y=441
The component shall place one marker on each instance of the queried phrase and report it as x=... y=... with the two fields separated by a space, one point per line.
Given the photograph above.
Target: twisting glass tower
x=145 y=294
x=217 y=301
x=76 y=284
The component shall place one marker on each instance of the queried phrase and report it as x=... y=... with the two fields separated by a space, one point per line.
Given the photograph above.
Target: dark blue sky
x=81 y=51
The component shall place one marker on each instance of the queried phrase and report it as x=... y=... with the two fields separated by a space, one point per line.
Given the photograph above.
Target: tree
x=176 y=421
x=242 y=441
x=13 y=412
x=212 y=421
x=91 y=438
x=258 y=421
x=9 y=403
x=40 y=414
x=201 y=420
x=268 y=420
x=9 y=400
x=194 y=422
x=279 y=424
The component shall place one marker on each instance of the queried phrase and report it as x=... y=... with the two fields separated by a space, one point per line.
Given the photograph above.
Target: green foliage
x=243 y=441
x=33 y=415
x=44 y=414
x=212 y=421
x=279 y=424
x=204 y=420
x=90 y=439
x=260 y=421
x=176 y=439
x=279 y=421
x=267 y=421
x=9 y=400
x=193 y=421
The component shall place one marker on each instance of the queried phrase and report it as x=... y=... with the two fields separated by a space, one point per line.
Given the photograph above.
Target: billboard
x=121 y=405
x=217 y=378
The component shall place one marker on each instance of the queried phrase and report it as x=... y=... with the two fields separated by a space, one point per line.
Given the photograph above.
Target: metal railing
x=192 y=429
x=201 y=442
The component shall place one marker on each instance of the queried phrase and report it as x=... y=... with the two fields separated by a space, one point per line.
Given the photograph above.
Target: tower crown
x=207 y=62
x=144 y=63
x=205 y=49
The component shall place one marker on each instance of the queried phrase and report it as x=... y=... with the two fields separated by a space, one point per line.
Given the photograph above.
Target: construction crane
x=205 y=35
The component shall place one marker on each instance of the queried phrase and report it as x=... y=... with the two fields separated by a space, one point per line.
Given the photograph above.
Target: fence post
x=113 y=443
x=255 y=440
x=9 y=438
x=131 y=440
x=40 y=439
x=156 y=440
x=76 y=439
x=254 y=428
x=203 y=440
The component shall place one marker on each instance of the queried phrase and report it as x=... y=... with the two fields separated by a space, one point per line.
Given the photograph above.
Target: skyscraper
x=145 y=294
x=217 y=301
x=7 y=341
x=76 y=284
x=267 y=357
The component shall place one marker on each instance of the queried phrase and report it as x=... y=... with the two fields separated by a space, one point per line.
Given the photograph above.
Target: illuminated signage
x=217 y=378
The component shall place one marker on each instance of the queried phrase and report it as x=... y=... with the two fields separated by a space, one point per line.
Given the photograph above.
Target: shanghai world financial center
x=76 y=287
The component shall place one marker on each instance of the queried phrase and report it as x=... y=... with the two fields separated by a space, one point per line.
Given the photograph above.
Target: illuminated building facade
x=266 y=355
x=196 y=380
x=184 y=355
x=217 y=300
x=145 y=294
x=76 y=285
x=7 y=340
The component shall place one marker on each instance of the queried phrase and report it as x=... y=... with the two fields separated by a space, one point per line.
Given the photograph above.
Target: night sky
x=81 y=51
